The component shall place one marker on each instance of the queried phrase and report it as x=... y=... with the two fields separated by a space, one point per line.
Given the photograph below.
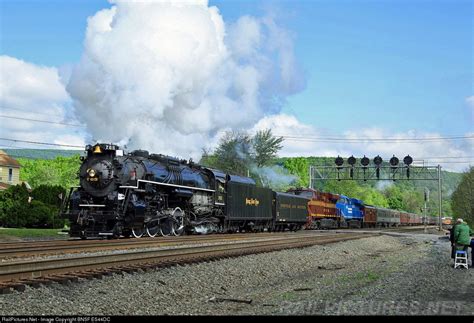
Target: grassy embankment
x=38 y=234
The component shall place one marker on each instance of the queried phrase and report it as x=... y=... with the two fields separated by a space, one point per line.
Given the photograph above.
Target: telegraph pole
x=440 y=198
x=427 y=198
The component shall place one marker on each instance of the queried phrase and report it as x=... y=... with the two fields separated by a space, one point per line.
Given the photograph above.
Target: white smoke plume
x=383 y=185
x=275 y=177
x=170 y=76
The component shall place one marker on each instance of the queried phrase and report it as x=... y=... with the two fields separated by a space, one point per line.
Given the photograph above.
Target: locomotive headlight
x=91 y=172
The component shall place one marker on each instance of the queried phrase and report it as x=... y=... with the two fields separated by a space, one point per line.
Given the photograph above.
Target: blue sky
x=395 y=65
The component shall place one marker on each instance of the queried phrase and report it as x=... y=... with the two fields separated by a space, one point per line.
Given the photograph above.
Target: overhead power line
x=447 y=157
x=32 y=112
x=355 y=140
x=41 y=143
x=452 y=162
x=44 y=121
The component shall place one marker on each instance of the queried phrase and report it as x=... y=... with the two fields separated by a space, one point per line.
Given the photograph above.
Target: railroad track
x=12 y=250
x=18 y=274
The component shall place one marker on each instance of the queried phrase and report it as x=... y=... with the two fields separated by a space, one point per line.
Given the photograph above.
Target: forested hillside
x=41 y=153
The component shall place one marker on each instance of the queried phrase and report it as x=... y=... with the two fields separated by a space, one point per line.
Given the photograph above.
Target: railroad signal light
x=408 y=160
x=339 y=162
x=365 y=161
x=351 y=160
x=378 y=160
x=394 y=162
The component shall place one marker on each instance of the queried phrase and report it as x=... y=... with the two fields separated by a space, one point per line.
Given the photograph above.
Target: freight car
x=141 y=193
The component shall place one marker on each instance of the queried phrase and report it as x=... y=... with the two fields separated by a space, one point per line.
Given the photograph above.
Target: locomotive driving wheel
x=153 y=228
x=174 y=224
x=138 y=232
x=178 y=222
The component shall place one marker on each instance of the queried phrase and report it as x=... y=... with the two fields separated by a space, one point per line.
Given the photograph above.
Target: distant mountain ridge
x=41 y=153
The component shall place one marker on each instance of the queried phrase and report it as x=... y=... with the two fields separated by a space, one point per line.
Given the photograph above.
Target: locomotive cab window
x=220 y=187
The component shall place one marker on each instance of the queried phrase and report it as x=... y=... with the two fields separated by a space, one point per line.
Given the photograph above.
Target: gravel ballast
x=404 y=274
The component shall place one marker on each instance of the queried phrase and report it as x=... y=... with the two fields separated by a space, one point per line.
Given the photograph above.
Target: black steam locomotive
x=141 y=193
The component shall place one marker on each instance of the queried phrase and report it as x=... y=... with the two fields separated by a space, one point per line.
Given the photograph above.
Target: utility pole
x=427 y=198
x=440 y=198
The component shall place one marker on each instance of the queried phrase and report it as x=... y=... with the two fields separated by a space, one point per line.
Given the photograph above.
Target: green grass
x=361 y=277
x=289 y=296
x=30 y=233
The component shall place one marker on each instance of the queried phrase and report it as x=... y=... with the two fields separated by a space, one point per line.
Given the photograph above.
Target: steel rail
x=68 y=242
x=15 y=271
x=15 y=251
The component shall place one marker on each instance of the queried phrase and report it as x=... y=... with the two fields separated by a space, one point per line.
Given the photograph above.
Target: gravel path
x=389 y=274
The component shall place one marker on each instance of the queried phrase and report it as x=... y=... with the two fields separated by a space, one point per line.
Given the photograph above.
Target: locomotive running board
x=166 y=184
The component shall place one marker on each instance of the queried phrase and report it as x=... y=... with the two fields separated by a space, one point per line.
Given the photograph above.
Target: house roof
x=6 y=160
x=4 y=186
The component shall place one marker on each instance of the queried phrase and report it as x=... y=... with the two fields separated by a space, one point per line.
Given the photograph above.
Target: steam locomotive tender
x=141 y=193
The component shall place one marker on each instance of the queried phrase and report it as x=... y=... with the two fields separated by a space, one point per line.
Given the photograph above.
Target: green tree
x=234 y=153
x=463 y=198
x=394 y=198
x=265 y=146
x=60 y=171
x=298 y=166
x=238 y=153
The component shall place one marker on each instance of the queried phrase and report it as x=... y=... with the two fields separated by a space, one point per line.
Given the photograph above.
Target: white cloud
x=30 y=91
x=302 y=145
x=168 y=76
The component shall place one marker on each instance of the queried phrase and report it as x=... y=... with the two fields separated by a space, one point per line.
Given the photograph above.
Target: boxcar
x=289 y=211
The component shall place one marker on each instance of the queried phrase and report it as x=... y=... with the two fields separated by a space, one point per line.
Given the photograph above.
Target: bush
x=42 y=212
x=48 y=194
x=44 y=216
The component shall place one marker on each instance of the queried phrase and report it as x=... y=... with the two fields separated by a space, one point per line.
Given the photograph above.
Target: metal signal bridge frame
x=377 y=171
